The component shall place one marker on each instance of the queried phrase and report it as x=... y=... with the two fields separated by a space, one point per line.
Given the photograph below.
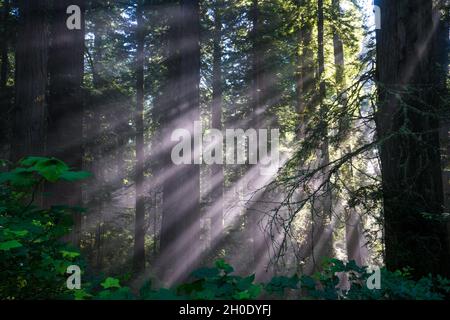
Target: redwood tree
x=407 y=125
x=180 y=230
x=65 y=116
x=31 y=80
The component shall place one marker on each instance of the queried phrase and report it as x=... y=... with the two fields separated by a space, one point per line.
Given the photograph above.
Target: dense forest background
x=360 y=101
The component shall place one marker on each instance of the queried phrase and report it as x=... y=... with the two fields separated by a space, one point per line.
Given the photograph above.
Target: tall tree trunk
x=31 y=80
x=98 y=72
x=259 y=246
x=5 y=94
x=322 y=233
x=441 y=49
x=216 y=123
x=94 y=132
x=305 y=66
x=168 y=105
x=139 y=227
x=407 y=125
x=65 y=118
x=180 y=231
x=353 y=226
x=305 y=86
x=4 y=47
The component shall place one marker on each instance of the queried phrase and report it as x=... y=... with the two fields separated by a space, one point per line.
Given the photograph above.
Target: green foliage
x=278 y=285
x=33 y=257
x=111 y=283
x=397 y=285
x=216 y=284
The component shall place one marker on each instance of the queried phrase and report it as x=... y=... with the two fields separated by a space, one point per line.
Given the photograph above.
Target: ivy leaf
x=110 y=283
x=8 y=245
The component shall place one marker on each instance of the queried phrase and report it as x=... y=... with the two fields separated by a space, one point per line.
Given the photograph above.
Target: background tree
x=65 y=116
x=139 y=236
x=181 y=225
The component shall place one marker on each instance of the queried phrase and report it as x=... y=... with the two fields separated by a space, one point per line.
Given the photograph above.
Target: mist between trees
x=274 y=135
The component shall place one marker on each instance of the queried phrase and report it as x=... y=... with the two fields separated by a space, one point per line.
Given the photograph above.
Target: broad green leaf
x=5 y=177
x=244 y=295
x=20 y=177
x=308 y=282
x=8 y=245
x=51 y=169
x=245 y=283
x=222 y=265
x=69 y=254
x=31 y=161
x=81 y=295
x=15 y=233
x=255 y=291
x=110 y=283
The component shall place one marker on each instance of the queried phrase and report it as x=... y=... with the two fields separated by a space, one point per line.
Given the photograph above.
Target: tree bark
x=180 y=231
x=65 y=117
x=139 y=228
x=31 y=80
x=216 y=123
x=407 y=126
x=305 y=67
x=4 y=46
x=5 y=91
x=255 y=218
x=322 y=232
x=353 y=223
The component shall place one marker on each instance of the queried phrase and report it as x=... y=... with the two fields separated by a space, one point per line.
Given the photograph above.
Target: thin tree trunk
x=5 y=92
x=441 y=19
x=353 y=226
x=255 y=222
x=94 y=134
x=322 y=233
x=139 y=228
x=305 y=68
x=217 y=169
x=4 y=47
x=305 y=86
